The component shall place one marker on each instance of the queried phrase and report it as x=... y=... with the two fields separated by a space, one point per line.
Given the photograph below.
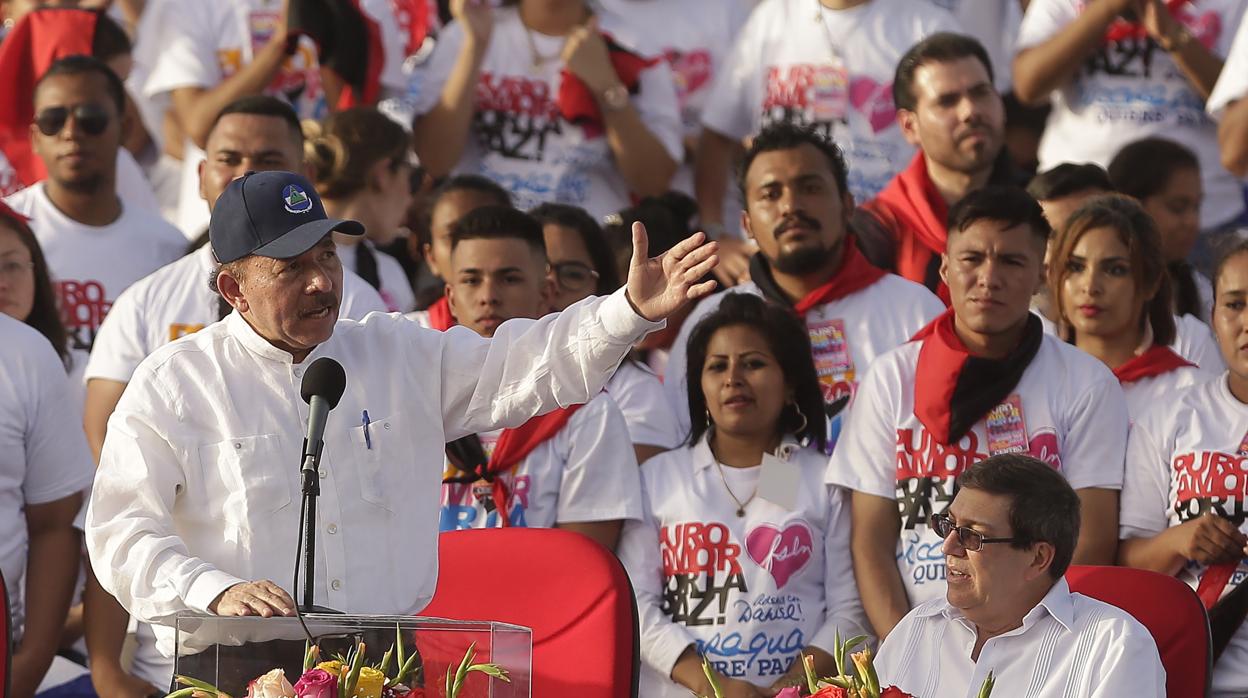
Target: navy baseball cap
x=271 y=214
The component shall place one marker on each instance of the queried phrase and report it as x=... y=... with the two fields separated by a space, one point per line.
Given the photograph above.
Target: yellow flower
x=370 y=684
x=334 y=667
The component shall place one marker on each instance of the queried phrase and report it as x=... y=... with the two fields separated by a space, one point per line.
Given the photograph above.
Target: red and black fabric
x=1158 y=360
x=513 y=446
x=440 y=317
x=348 y=43
x=35 y=43
x=953 y=389
x=1122 y=28
x=577 y=104
x=854 y=274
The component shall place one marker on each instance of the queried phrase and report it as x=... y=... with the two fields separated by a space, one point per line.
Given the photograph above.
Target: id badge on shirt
x=829 y=93
x=833 y=362
x=1007 y=431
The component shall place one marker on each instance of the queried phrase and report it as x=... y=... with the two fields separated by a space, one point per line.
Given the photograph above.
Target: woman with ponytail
x=359 y=161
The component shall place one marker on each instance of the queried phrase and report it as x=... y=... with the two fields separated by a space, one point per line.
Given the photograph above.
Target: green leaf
x=183 y=693
x=353 y=679
x=492 y=670
x=385 y=662
x=197 y=684
x=985 y=691
x=398 y=645
x=453 y=687
x=710 y=678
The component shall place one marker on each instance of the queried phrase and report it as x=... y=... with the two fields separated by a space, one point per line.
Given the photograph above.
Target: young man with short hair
x=980 y=380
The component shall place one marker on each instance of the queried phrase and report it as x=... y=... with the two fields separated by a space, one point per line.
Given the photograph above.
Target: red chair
x=6 y=639
x=1169 y=609
x=571 y=591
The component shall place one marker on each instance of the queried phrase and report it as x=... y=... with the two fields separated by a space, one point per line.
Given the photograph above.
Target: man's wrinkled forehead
x=257 y=138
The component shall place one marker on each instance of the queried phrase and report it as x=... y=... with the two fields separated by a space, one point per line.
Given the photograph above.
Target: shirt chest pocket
x=374 y=451
x=247 y=477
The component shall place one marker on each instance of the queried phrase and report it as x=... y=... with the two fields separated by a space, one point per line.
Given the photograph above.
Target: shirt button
x=238 y=445
x=332 y=528
x=386 y=425
x=324 y=473
x=298 y=372
x=336 y=584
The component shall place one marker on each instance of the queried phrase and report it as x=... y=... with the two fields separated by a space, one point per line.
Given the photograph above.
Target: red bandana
x=1121 y=29
x=440 y=317
x=912 y=199
x=512 y=448
x=1154 y=362
x=575 y=101
x=854 y=274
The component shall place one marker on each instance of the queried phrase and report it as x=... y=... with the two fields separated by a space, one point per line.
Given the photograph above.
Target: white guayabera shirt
x=1068 y=645
x=198 y=484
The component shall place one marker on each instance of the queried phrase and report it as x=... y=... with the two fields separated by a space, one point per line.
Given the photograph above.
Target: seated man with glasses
x=1009 y=536
x=573 y=468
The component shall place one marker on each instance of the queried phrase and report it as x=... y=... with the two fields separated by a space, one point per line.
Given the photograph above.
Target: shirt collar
x=1057 y=603
x=253 y=342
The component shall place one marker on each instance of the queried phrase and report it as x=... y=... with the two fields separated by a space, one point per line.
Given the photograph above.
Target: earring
x=801 y=428
x=709 y=421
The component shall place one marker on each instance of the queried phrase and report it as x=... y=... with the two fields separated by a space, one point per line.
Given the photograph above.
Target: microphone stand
x=311 y=491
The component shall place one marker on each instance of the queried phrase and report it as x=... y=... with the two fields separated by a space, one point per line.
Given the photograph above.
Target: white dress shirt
x=198 y=484
x=1068 y=645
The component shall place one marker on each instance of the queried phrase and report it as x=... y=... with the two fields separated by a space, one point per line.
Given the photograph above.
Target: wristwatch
x=1177 y=41
x=615 y=98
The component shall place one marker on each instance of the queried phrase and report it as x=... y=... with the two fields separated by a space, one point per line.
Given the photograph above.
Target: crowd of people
x=827 y=317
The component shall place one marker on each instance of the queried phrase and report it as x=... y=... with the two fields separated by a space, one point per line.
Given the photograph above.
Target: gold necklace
x=537 y=60
x=740 y=504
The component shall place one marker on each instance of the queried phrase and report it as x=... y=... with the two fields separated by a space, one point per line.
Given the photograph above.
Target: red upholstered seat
x=571 y=591
x=1169 y=609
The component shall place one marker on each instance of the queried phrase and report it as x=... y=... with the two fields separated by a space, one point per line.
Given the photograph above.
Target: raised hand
x=476 y=17
x=659 y=287
x=586 y=56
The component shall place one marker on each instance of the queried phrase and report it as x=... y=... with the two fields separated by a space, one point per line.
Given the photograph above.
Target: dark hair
x=44 y=315
x=1068 y=178
x=1138 y=233
x=1009 y=205
x=783 y=135
x=469 y=182
x=789 y=341
x=110 y=40
x=595 y=241
x=343 y=149
x=1225 y=254
x=263 y=105
x=1043 y=506
x=667 y=219
x=941 y=47
x=499 y=223
x=86 y=65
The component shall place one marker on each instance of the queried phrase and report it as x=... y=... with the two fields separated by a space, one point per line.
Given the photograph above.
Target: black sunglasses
x=92 y=118
x=970 y=539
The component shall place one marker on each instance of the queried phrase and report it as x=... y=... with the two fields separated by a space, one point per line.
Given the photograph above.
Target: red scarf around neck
x=440 y=317
x=854 y=274
x=912 y=200
x=1121 y=29
x=1154 y=362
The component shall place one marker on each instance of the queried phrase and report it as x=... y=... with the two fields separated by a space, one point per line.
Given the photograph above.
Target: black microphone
x=322 y=387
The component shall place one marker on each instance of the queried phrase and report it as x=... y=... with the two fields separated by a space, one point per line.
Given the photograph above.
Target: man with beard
x=797 y=205
x=948 y=108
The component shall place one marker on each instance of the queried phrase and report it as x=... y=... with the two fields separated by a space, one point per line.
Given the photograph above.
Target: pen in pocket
x=368 y=439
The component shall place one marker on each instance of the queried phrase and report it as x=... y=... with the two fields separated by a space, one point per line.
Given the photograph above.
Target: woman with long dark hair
x=26 y=291
x=742 y=545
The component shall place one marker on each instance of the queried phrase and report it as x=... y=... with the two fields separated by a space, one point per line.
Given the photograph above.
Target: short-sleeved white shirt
x=175 y=301
x=586 y=472
x=1133 y=89
x=639 y=395
x=1233 y=81
x=132 y=186
x=750 y=592
x=1073 y=415
x=1147 y=393
x=91 y=266
x=517 y=137
x=783 y=68
x=1184 y=459
x=846 y=336
x=396 y=290
x=43 y=451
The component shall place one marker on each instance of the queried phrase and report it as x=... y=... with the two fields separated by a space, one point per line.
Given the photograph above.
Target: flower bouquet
x=855 y=676
x=348 y=677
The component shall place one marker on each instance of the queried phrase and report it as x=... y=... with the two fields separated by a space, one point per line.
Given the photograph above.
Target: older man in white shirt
x=196 y=499
x=1009 y=537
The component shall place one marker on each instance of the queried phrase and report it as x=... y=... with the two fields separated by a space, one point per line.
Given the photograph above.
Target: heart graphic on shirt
x=782 y=553
x=874 y=101
x=691 y=70
x=1044 y=447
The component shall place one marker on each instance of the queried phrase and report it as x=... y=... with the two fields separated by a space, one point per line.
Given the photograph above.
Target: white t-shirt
x=1072 y=413
x=43 y=452
x=1233 y=81
x=639 y=395
x=396 y=291
x=1184 y=459
x=1133 y=89
x=750 y=592
x=518 y=138
x=584 y=473
x=1146 y=393
x=201 y=44
x=175 y=301
x=91 y=266
x=846 y=335
x=994 y=24
x=132 y=186
x=783 y=68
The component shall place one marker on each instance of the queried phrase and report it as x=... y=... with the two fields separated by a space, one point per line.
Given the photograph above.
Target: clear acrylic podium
x=238 y=650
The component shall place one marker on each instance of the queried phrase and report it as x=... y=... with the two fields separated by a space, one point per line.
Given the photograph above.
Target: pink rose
x=894 y=692
x=790 y=692
x=317 y=683
x=271 y=685
x=831 y=692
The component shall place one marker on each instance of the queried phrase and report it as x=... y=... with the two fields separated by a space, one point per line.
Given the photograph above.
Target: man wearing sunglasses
x=96 y=243
x=1008 y=538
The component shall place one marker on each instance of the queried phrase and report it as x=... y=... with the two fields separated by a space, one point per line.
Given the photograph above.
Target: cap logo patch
x=295 y=200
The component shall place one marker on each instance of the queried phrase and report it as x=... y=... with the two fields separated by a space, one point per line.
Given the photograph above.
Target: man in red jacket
x=948 y=108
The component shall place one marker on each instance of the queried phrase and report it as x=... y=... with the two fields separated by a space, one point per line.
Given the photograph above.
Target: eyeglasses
x=93 y=119
x=970 y=539
x=11 y=269
x=573 y=276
